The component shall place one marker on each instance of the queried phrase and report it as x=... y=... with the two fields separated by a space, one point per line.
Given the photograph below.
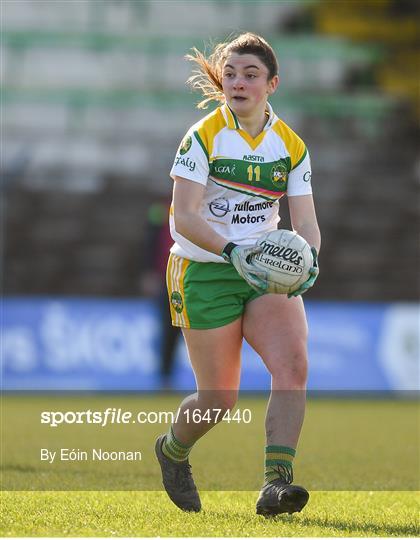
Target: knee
x=225 y=400
x=291 y=372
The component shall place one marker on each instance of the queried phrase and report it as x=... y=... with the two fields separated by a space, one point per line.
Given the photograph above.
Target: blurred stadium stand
x=94 y=105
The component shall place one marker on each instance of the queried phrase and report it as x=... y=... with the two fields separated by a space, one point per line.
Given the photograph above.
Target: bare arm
x=187 y=199
x=303 y=219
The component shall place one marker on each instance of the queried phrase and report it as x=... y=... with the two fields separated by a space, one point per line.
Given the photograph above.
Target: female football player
x=231 y=169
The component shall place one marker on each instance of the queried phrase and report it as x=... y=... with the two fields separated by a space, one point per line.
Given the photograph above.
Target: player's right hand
x=241 y=258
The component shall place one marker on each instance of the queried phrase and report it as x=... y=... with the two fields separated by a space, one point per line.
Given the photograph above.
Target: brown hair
x=207 y=78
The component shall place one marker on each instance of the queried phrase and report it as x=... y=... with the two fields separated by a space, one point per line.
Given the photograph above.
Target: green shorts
x=205 y=295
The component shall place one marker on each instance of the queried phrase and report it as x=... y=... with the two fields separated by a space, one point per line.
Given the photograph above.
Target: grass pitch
x=224 y=514
x=358 y=458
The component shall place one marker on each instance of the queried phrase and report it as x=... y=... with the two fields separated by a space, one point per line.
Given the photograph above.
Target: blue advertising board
x=114 y=344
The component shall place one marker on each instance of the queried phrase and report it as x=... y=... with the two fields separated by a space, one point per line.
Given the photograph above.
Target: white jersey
x=244 y=177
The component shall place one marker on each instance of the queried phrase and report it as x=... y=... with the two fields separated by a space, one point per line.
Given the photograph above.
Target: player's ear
x=273 y=84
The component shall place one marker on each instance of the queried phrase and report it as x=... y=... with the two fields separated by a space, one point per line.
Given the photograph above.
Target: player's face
x=245 y=83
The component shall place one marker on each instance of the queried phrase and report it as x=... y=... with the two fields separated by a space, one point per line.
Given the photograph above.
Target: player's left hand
x=313 y=274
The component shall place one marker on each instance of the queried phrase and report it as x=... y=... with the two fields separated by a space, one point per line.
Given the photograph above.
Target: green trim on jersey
x=268 y=180
x=237 y=125
x=301 y=159
x=197 y=136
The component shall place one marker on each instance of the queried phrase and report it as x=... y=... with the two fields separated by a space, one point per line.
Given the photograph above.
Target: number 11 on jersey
x=251 y=170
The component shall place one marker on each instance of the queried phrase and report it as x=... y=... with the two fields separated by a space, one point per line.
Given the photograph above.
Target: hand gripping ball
x=286 y=257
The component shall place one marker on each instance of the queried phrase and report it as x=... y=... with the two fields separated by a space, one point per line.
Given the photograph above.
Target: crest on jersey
x=176 y=301
x=185 y=145
x=279 y=175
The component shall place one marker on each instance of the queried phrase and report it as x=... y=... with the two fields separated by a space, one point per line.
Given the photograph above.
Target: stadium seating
x=91 y=93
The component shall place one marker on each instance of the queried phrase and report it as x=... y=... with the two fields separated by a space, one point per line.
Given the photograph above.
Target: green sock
x=173 y=449
x=278 y=462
